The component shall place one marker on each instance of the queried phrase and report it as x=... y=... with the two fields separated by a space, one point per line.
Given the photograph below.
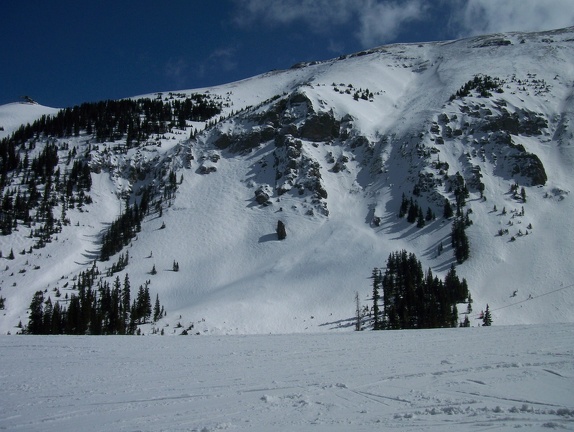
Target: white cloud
x=380 y=22
x=377 y=21
x=220 y=59
x=175 y=70
x=492 y=16
x=318 y=14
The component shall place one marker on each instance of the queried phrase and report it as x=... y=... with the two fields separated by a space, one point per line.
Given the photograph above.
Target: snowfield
x=235 y=277
x=479 y=379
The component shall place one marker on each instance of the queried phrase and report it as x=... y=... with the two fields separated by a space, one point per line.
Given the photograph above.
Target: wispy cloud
x=176 y=70
x=376 y=21
x=380 y=21
x=222 y=59
x=474 y=17
x=317 y=14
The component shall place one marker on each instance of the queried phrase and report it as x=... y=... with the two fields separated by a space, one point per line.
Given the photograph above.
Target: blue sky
x=63 y=52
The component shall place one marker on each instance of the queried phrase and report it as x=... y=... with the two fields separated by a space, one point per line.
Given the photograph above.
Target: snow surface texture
x=496 y=379
x=236 y=278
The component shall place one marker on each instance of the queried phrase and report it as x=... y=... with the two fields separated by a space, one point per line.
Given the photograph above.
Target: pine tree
x=156 y=309
x=357 y=312
x=413 y=299
x=125 y=302
x=147 y=304
x=404 y=206
x=57 y=319
x=459 y=240
x=36 y=320
x=430 y=215
x=469 y=302
x=420 y=219
x=487 y=318
x=413 y=211
x=47 y=316
x=376 y=276
x=281 y=231
x=447 y=210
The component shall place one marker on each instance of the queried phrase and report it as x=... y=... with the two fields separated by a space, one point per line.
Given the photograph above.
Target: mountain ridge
x=330 y=148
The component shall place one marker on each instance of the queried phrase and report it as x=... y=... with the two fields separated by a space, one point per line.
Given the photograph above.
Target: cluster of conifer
x=125 y=227
x=414 y=212
x=459 y=239
x=113 y=120
x=122 y=263
x=97 y=309
x=412 y=299
x=32 y=189
x=483 y=84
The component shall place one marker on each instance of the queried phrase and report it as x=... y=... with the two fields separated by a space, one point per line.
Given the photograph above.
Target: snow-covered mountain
x=330 y=149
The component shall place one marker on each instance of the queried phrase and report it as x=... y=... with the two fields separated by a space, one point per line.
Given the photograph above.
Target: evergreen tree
x=469 y=303
x=487 y=317
x=376 y=276
x=47 y=316
x=404 y=206
x=156 y=309
x=412 y=299
x=57 y=319
x=357 y=312
x=447 y=209
x=281 y=231
x=420 y=219
x=413 y=211
x=147 y=304
x=459 y=240
x=36 y=320
x=126 y=301
x=430 y=215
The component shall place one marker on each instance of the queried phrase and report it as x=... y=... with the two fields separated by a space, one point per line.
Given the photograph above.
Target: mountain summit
x=277 y=196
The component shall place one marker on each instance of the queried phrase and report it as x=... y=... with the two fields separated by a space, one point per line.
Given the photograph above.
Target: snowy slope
x=496 y=379
x=13 y=115
x=235 y=277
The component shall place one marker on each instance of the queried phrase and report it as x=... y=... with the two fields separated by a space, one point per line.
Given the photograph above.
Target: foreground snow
x=497 y=378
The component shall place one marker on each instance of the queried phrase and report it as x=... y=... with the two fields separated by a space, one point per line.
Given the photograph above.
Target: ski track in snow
x=495 y=379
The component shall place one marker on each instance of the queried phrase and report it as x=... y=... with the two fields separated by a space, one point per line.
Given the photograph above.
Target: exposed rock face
x=262 y=195
x=521 y=122
x=245 y=142
x=490 y=133
x=529 y=165
x=320 y=127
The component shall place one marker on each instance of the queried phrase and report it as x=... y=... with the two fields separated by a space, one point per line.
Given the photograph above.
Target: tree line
x=113 y=120
x=42 y=187
x=97 y=309
x=405 y=297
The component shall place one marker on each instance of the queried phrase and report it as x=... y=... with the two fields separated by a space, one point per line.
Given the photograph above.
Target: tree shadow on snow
x=342 y=323
x=268 y=237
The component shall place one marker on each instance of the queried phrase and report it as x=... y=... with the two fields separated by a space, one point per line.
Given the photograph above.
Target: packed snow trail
x=496 y=379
